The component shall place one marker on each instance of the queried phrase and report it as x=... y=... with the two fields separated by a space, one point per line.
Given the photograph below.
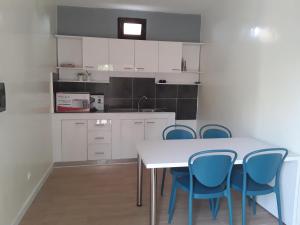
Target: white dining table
x=175 y=153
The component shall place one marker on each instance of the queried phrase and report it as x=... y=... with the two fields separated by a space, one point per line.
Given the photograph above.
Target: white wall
x=27 y=55
x=253 y=78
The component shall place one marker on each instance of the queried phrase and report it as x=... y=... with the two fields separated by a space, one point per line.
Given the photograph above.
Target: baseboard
x=32 y=196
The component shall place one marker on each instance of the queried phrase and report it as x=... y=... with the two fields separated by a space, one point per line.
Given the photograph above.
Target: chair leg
x=216 y=207
x=278 y=199
x=190 y=209
x=244 y=209
x=172 y=191
x=254 y=205
x=163 y=182
x=172 y=200
x=229 y=203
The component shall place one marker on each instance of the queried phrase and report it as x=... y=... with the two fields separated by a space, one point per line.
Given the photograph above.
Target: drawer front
x=101 y=124
x=99 y=136
x=99 y=151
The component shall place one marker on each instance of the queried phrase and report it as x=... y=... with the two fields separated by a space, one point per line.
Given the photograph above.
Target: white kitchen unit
x=69 y=51
x=99 y=139
x=104 y=136
x=154 y=128
x=121 y=55
x=170 y=56
x=145 y=56
x=132 y=131
x=95 y=53
x=73 y=140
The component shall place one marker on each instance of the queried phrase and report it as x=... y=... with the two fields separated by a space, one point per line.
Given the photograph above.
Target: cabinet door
x=146 y=56
x=154 y=128
x=74 y=140
x=170 y=56
x=121 y=55
x=95 y=53
x=132 y=131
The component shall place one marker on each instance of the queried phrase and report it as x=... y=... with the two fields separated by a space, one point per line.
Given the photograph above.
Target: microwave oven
x=72 y=102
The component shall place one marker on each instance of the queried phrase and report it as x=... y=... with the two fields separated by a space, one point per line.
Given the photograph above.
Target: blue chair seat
x=253 y=188
x=200 y=189
x=180 y=171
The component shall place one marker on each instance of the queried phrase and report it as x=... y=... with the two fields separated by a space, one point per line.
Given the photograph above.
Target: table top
x=175 y=153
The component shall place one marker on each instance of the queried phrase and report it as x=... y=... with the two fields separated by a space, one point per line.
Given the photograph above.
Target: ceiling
x=172 y=6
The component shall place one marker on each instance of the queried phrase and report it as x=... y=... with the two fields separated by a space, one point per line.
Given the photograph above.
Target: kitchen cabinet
x=99 y=139
x=146 y=53
x=121 y=55
x=69 y=51
x=132 y=131
x=95 y=53
x=170 y=56
x=154 y=128
x=74 y=140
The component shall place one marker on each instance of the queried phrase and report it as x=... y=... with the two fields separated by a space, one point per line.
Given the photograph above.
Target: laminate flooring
x=106 y=195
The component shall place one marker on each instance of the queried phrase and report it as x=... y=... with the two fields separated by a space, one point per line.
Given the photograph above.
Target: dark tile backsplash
x=120 y=87
x=143 y=87
x=123 y=94
x=166 y=91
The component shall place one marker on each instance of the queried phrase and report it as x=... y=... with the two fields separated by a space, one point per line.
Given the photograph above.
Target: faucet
x=140 y=100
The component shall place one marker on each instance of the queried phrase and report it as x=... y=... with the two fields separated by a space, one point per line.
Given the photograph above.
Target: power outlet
x=28 y=176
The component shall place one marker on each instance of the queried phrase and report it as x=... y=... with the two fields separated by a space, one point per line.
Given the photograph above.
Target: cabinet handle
x=80 y=123
x=89 y=67
x=138 y=122
x=99 y=124
x=176 y=69
x=99 y=153
x=140 y=68
x=99 y=138
x=151 y=122
x=128 y=68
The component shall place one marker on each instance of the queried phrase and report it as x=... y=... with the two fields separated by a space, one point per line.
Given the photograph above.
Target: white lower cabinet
x=99 y=139
x=84 y=137
x=154 y=128
x=132 y=131
x=74 y=140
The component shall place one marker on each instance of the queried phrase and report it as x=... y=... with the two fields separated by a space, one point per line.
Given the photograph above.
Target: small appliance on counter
x=70 y=102
x=97 y=103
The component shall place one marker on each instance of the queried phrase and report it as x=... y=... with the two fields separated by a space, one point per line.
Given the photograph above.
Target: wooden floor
x=106 y=195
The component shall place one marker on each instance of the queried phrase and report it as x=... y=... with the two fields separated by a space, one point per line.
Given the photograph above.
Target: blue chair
x=259 y=169
x=209 y=178
x=175 y=132
x=214 y=131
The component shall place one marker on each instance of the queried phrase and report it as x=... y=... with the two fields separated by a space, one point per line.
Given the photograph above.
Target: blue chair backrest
x=214 y=131
x=264 y=165
x=212 y=167
x=178 y=132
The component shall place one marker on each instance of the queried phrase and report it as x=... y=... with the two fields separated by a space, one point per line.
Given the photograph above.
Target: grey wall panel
x=97 y=22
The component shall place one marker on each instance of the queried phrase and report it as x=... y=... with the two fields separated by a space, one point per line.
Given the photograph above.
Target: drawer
x=101 y=124
x=99 y=151
x=99 y=136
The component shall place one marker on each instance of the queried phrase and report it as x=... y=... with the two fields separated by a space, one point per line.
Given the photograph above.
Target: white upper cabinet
x=146 y=56
x=95 y=53
x=170 y=56
x=121 y=55
x=69 y=51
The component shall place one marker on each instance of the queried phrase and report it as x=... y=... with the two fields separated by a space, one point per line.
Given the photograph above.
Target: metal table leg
x=139 y=182
x=153 y=197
